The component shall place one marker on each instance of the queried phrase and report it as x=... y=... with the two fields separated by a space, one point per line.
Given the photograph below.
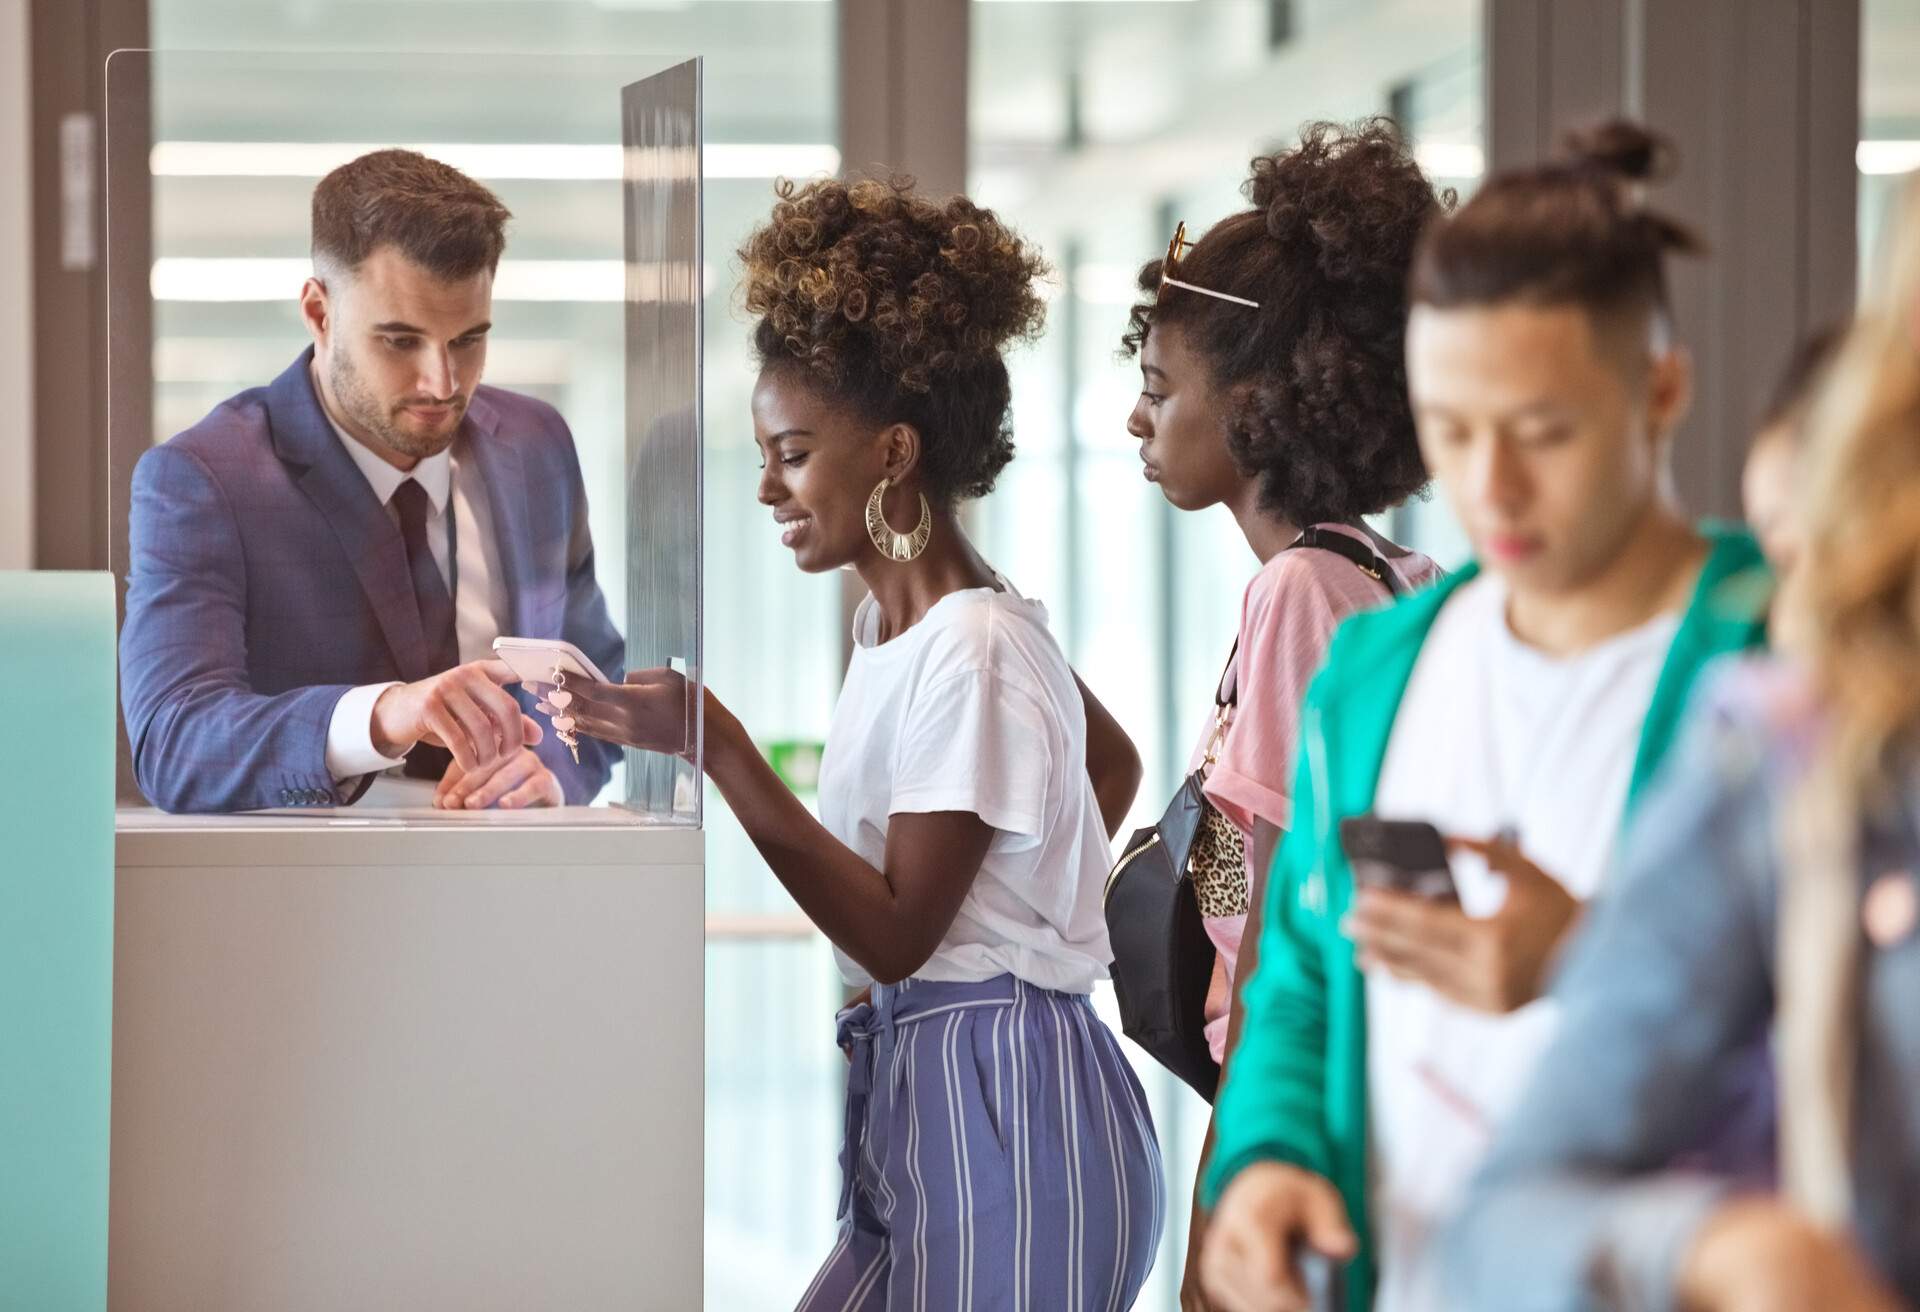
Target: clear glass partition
x=661 y=136
x=590 y=396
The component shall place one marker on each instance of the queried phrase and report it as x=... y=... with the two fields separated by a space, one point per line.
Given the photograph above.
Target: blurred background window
x=1095 y=127
x=1889 y=115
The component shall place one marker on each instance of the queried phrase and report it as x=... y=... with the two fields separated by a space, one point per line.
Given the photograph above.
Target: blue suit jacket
x=265 y=580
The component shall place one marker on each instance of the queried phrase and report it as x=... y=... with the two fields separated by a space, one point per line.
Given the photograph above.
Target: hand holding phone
x=1407 y=918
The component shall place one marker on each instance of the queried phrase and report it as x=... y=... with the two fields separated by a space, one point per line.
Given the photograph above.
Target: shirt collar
x=434 y=474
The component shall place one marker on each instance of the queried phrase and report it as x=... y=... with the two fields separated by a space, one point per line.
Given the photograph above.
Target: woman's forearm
x=847 y=898
x=855 y=905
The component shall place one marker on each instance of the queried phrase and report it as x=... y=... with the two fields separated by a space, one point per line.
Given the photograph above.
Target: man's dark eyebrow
x=394 y=326
x=1153 y=369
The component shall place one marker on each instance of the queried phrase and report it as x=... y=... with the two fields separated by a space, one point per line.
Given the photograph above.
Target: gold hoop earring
x=901 y=547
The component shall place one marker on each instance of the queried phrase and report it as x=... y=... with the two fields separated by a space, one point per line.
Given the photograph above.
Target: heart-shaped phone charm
x=561 y=698
x=545 y=709
x=563 y=723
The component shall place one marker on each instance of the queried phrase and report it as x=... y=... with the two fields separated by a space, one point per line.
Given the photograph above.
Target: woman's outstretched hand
x=653 y=710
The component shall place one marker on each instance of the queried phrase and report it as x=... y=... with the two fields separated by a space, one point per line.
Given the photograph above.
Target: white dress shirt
x=481 y=606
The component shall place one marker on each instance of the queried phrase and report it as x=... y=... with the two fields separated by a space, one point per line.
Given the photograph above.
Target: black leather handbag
x=1162 y=957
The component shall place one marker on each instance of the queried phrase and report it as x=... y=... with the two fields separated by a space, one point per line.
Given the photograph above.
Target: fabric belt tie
x=868 y=1031
x=860 y=1025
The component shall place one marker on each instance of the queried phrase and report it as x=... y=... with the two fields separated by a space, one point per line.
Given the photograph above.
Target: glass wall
x=1154 y=109
x=1889 y=115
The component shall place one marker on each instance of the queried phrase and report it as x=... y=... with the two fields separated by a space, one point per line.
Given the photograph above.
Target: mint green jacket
x=1296 y=1088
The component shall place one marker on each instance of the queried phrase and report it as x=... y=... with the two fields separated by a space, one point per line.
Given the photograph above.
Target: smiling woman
x=969 y=785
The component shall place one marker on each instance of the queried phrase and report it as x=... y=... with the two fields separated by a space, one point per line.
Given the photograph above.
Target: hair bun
x=1338 y=181
x=1624 y=149
x=872 y=268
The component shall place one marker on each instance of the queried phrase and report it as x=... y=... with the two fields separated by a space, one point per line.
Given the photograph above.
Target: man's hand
x=518 y=780
x=1495 y=963
x=1758 y=1255
x=466 y=710
x=1247 y=1260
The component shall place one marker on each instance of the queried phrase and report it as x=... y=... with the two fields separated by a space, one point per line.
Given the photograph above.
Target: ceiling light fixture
x=535 y=161
x=177 y=278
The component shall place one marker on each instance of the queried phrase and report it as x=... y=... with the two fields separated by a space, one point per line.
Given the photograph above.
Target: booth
x=379 y=1055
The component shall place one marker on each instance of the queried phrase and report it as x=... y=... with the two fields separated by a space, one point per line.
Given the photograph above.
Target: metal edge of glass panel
x=661 y=135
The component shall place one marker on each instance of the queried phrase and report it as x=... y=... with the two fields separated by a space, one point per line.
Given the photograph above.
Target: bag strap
x=1369 y=561
x=1365 y=558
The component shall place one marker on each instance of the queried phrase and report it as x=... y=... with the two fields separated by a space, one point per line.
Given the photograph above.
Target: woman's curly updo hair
x=1316 y=378
x=899 y=306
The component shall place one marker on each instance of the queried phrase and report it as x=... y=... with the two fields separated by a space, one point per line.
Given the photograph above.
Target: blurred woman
x=1771 y=486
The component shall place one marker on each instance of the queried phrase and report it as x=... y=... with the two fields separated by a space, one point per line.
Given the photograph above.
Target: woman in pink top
x=1273 y=384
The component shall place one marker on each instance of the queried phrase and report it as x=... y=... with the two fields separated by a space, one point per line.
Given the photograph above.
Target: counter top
x=569 y=835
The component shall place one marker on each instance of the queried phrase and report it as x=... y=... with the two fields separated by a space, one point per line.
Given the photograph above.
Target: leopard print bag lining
x=1217 y=861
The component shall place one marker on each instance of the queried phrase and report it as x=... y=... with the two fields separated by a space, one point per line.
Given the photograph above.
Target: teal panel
x=57 y=695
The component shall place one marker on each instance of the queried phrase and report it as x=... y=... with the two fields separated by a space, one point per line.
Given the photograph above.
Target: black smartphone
x=1407 y=856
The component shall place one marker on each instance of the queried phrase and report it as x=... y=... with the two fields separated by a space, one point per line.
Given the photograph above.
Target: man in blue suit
x=319 y=567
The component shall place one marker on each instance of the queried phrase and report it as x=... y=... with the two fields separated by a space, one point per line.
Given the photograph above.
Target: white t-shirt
x=975 y=709
x=1492 y=733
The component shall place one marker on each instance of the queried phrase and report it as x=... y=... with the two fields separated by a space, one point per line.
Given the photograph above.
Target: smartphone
x=1406 y=856
x=534 y=659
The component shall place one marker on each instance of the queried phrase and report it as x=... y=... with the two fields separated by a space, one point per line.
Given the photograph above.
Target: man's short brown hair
x=432 y=213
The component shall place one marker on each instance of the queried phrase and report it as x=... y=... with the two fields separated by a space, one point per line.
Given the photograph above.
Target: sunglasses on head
x=1180 y=246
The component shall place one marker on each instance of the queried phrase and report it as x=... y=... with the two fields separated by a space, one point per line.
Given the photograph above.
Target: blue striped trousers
x=999 y=1155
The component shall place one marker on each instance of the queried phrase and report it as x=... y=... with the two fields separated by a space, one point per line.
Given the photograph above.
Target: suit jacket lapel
x=303 y=438
x=503 y=471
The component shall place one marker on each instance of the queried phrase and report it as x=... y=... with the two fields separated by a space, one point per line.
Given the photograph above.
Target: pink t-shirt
x=1287 y=618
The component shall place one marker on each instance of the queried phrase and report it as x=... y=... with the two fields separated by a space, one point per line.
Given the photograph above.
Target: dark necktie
x=436 y=611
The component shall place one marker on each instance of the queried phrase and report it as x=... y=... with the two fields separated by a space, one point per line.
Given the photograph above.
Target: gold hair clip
x=1180 y=246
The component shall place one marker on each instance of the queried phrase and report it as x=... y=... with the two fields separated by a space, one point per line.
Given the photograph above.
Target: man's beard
x=360 y=405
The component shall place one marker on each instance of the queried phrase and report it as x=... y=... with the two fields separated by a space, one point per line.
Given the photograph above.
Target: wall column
x=1761 y=97
x=903 y=109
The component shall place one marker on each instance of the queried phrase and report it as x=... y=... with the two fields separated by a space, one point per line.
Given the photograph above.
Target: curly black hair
x=901 y=307
x=1315 y=377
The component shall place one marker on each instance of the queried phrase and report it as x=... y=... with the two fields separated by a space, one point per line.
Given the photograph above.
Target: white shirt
x=481 y=607
x=1491 y=733
x=974 y=709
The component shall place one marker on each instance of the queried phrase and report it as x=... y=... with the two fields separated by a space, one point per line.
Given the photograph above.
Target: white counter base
x=365 y=1061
